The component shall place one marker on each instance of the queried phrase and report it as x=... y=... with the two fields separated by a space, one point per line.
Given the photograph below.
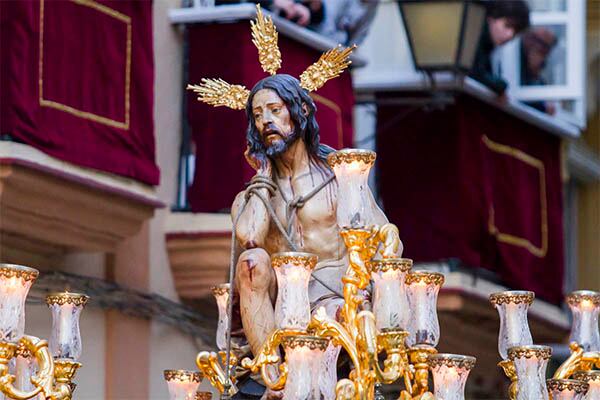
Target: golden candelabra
x=56 y=363
x=576 y=376
x=377 y=339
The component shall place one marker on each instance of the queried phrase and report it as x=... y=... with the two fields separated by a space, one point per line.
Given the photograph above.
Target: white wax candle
x=65 y=326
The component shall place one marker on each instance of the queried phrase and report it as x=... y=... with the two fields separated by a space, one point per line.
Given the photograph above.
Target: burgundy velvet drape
x=77 y=82
x=473 y=183
x=219 y=134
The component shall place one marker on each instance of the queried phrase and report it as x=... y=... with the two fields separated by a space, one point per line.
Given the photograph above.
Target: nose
x=267 y=118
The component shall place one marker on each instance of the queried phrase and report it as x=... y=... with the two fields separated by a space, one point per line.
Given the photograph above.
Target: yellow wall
x=589 y=195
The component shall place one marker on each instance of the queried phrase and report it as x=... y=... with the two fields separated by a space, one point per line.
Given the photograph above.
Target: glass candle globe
x=585 y=305
x=530 y=364
x=592 y=378
x=65 y=339
x=354 y=201
x=182 y=384
x=15 y=282
x=566 y=389
x=292 y=308
x=512 y=307
x=303 y=356
x=221 y=294
x=390 y=302
x=450 y=373
x=422 y=289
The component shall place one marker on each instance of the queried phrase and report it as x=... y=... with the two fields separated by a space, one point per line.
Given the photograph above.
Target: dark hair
x=294 y=96
x=516 y=11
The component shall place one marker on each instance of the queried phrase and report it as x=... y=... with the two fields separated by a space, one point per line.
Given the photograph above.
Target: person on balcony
x=303 y=12
x=347 y=21
x=504 y=21
x=536 y=46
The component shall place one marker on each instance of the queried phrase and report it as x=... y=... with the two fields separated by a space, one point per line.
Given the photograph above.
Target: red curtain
x=219 y=134
x=473 y=183
x=77 y=82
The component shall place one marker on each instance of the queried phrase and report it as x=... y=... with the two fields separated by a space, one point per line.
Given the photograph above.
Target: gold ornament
x=264 y=37
x=217 y=92
x=329 y=66
x=567 y=384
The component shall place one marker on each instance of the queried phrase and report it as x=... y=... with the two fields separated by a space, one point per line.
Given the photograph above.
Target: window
x=545 y=66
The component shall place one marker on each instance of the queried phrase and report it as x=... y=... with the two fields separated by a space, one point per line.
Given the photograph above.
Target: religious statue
x=290 y=203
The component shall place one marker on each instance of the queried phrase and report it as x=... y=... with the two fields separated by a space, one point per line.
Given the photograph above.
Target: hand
x=287 y=6
x=302 y=14
x=260 y=163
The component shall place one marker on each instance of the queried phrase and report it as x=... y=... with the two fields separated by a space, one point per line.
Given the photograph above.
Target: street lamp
x=443 y=34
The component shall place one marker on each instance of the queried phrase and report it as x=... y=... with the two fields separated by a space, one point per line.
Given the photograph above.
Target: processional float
x=391 y=339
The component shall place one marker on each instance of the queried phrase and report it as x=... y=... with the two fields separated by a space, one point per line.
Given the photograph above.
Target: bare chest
x=308 y=217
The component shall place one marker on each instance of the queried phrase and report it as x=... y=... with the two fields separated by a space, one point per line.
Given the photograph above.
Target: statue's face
x=273 y=121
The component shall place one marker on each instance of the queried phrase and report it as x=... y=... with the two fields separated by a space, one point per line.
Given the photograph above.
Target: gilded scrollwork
x=76 y=299
x=430 y=278
x=18 y=271
x=512 y=297
x=567 y=384
x=543 y=352
x=306 y=260
x=347 y=156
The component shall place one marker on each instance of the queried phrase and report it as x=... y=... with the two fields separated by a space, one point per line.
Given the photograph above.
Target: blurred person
x=505 y=19
x=347 y=21
x=302 y=12
x=536 y=46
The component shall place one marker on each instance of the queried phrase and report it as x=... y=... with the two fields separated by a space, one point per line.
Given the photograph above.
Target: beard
x=281 y=145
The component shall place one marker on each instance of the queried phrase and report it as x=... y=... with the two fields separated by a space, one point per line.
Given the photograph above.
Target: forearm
x=250 y=214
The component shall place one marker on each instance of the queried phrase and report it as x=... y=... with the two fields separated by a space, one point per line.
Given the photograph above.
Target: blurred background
x=116 y=182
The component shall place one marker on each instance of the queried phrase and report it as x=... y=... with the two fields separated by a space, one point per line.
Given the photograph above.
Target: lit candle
x=65 y=339
x=450 y=373
x=390 y=302
x=182 y=384
x=293 y=270
x=585 y=306
x=512 y=308
x=530 y=363
x=221 y=294
x=422 y=290
x=592 y=378
x=15 y=282
x=303 y=356
x=567 y=389
x=354 y=201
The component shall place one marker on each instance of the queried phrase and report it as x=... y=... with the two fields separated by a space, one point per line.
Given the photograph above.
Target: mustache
x=271 y=129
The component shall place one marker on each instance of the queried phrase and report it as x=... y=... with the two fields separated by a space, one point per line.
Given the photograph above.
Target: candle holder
x=65 y=339
x=390 y=302
x=450 y=373
x=303 y=355
x=585 y=306
x=355 y=201
x=530 y=364
x=221 y=294
x=512 y=308
x=592 y=378
x=182 y=384
x=567 y=389
x=422 y=289
x=292 y=308
x=15 y=282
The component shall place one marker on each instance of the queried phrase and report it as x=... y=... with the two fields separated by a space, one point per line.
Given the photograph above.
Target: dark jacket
x=482 y=67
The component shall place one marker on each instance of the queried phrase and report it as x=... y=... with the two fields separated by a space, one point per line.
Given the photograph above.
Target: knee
x=254 y=270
